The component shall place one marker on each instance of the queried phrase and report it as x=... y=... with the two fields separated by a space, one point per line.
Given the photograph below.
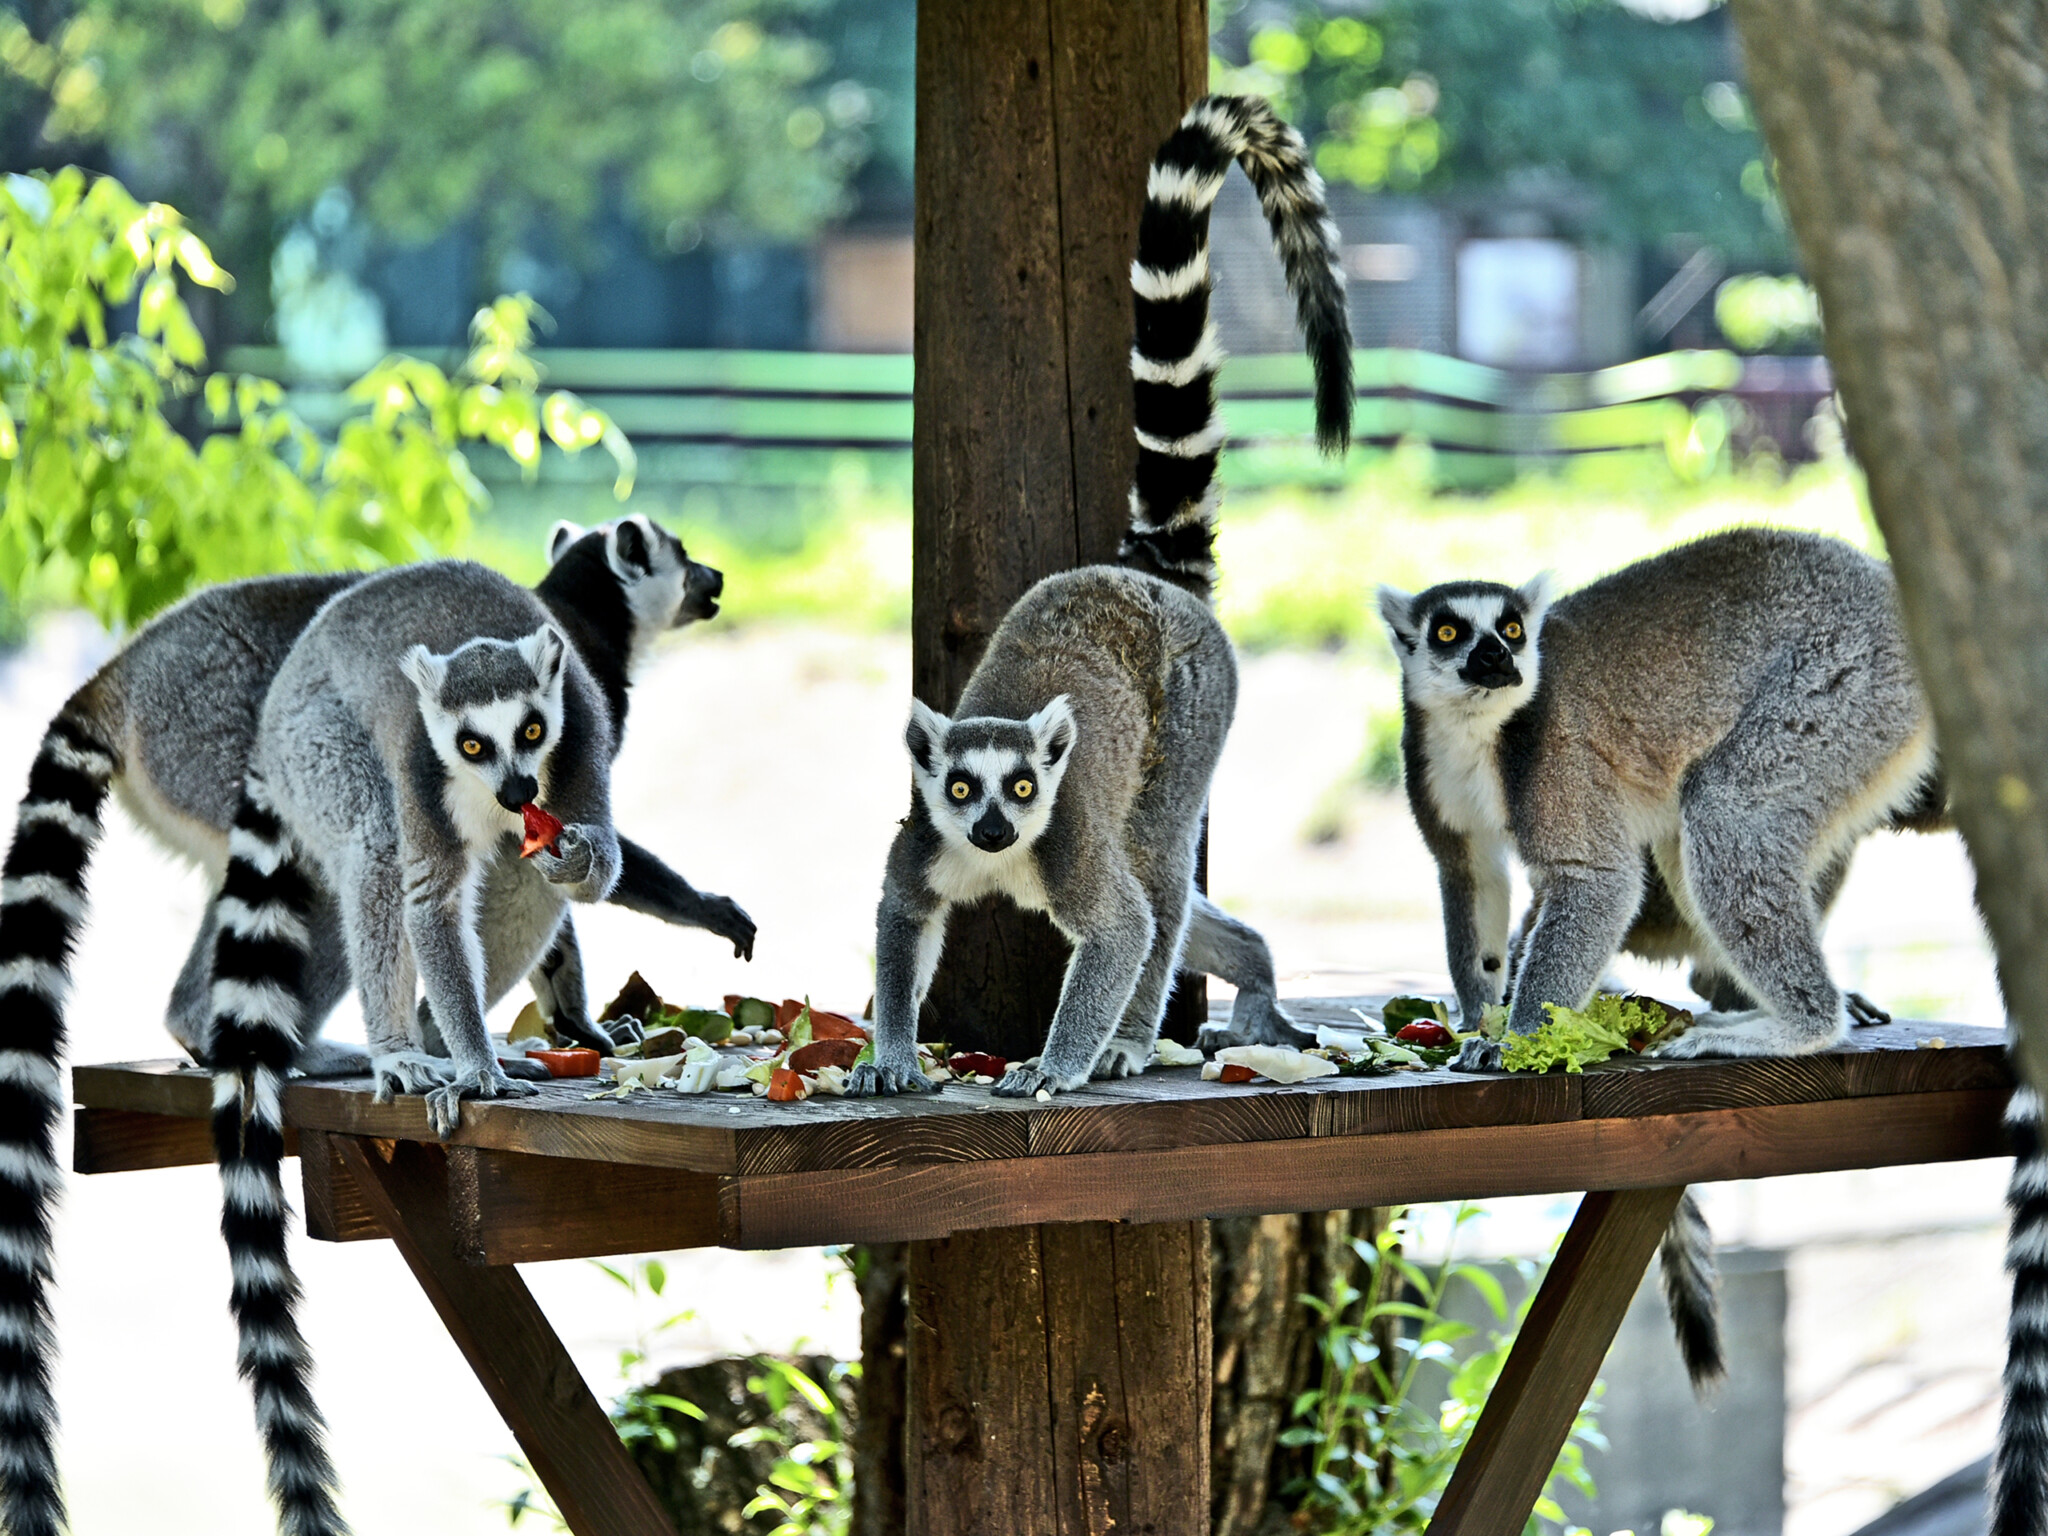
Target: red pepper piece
x=1424 y=1032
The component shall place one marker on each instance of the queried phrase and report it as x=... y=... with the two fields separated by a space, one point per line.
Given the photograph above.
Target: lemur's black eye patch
x=1511 y=629
x=533 y=730
x=476 y=748
x=1447 y=629
x=960 y=788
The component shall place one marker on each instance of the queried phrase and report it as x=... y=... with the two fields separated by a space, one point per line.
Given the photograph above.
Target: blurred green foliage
x=1761 y=313
x=432 y=113
x=1548 y=98
x=104 y=501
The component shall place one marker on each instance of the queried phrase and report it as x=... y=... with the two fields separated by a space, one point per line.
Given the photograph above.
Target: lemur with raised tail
x=1073 y=778
x=419 y=711
x=167 y=724
x=1684 y=756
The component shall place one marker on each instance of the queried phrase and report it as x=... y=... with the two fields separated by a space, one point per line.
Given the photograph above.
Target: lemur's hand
x=444 y=1105
x=1479 y=1056
x=877 y=1077
x=569 y=861
x=728 y=919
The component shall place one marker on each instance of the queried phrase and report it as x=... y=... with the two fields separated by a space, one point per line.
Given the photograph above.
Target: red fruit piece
x=541 y=831
x=834 y=1026
x=786 y=1012
x=1233 y=1073
x=1421 y=1032
x=575 y=1061
x=978 y=1064
x=825 y=1053
x=785 y=1086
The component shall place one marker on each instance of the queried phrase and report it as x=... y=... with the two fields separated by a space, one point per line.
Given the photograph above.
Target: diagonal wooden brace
x=1554 y=1360
x=510 y=1345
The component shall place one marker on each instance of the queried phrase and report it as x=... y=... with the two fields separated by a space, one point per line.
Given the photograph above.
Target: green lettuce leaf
x=1573 y=1039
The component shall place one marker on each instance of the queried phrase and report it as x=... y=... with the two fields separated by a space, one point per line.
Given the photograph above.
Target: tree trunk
x=1036 y=120
x=1912 y=149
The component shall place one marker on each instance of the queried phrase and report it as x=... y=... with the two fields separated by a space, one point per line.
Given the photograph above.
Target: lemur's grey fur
x=410 y=722
x=1073 y=779
x=1684 y=755
x=168 y=724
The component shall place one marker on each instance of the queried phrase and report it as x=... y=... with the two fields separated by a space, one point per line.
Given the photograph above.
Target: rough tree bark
x=1912 y=149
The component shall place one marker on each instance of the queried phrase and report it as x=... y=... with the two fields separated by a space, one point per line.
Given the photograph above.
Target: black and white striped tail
x=259 y=961
x=2019 y=1479
x=1174 y=361
x=1692 y=1285
x=42 y=909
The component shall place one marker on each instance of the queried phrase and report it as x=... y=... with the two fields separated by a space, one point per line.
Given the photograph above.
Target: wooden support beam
x=507 y=1208
x=510 y=1345
x=1035 y=122
x=1554 y=1360
x=336 y=1210
x=1049 y=1381
x=125 y=1140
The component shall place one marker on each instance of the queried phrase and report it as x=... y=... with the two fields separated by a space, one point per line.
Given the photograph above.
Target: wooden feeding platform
x=1059 y=1359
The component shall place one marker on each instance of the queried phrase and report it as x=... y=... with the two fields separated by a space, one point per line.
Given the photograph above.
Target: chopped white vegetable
x=646 y=1073
x=1351 y=1042
x=768 y=1037
x=829 y=1080
x=1171 y=1053
x=733 y=1074
x=1044 y=1095
x=697 y=1076
x=983 y=1078
x=740 y=1037
x=1277 y=1062
x=1211 y=1071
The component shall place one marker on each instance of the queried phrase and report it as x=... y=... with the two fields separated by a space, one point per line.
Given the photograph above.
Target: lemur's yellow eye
x=1512 y=630
x=471 y=747
x=960 y=790
x=1447 y=633
x=1021 y=789
x=532 y=732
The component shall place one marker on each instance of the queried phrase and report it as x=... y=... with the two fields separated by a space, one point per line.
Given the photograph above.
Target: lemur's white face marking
x=990 y=783
x=662 y=587
x=493 y=711
x=1469 y=647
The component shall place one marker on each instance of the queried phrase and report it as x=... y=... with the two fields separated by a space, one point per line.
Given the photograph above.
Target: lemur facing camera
x=168 y=724
x=1074 y=777
x=1684 y=755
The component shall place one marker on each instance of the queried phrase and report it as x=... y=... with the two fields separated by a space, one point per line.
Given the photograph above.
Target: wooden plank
x=336 y=1210
x=509 y=1208
x=510 y=1345
x=1127 y=1311
x=124 y=1140
x=978 y=1449
x=1331 y=1173
x=1556 y=1355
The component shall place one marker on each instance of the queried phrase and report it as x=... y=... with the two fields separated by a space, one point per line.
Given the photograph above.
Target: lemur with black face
x=168 y=725
x=1074 y=776
x=1684 y=756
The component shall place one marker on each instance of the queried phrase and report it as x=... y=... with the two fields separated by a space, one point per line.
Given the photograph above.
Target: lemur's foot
x=1029 y=1082
x=1863 y=1012
x=326 y=1058
x=409 y=1072
x=444 y=1104
x=728 y=919
x=524 y=1068
x=1479 y=1056
x=1255 y=1019
x=1121 y=1058
x=1752 y=1032
x=874 y=1078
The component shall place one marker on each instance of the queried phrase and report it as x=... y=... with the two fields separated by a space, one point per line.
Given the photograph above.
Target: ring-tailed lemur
x=398 y=800
x=1073 y=779
x=168 y=724
x=1684 y=755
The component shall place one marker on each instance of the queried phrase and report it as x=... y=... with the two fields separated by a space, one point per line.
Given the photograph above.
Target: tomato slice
x=1423 y=1032
x=1233 y=1073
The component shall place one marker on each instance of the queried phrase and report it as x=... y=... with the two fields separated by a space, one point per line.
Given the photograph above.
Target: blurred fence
x=786 y=418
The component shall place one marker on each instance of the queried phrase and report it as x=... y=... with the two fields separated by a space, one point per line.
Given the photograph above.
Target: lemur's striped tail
x=2019 y=1479
x=1174 y=362
x=42 y=909
x=259 y=962
x=1692 y=1291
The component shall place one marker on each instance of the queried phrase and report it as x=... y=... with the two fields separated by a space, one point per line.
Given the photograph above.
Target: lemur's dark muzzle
x=700 y=593
x=1490 y=665
x=993 y=832
x=518 y=790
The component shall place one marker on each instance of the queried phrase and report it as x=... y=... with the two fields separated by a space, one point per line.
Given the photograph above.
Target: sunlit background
x=1584 y=338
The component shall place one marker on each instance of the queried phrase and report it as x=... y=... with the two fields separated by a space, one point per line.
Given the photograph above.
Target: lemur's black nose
x=714 y=580
x=993 y=832
x=518 y=790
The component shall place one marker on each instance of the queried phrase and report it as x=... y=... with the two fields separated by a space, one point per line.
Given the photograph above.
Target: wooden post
x=1058 y=1381
x=1035 y=122
x=1556 y=1356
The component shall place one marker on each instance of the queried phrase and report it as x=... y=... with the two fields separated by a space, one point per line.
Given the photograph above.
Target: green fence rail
x=786 y=418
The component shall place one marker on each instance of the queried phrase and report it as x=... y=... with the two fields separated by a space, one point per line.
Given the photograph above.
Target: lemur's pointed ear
x=544 y=650
x=561 y=537
x=426 y=671
x=629 y=547
x=925 y=734
x=1535 y=595
x=1396 y=611
x=1054 y=727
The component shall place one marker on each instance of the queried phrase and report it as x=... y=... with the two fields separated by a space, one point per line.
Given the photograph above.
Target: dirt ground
x=766 y=763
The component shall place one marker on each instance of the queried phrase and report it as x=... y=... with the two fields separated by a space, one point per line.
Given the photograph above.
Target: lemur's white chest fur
x=1462 y=765
x=963 y=873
